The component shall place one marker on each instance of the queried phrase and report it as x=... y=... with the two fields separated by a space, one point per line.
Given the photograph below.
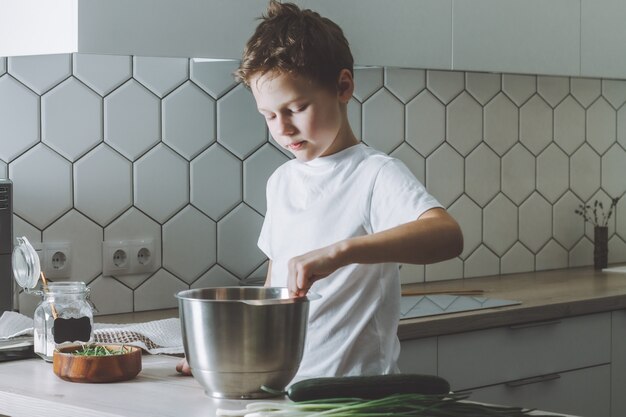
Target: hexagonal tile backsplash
x=120 y=147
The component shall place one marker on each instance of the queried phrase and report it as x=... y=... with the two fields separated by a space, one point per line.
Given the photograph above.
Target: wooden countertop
x=544 y=295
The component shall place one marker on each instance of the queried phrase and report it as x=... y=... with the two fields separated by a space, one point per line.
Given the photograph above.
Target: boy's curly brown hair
x=296 y=41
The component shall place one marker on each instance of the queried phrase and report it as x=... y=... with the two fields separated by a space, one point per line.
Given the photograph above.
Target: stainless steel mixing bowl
x=238 y=339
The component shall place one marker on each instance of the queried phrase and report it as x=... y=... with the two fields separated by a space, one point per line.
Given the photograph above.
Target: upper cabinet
x=527 y=36
x=37 y=27
x=603 y=37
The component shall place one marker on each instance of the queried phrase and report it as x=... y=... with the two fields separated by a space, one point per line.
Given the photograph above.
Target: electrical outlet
x=56 y=259
x=115 y=258
x=142 y=256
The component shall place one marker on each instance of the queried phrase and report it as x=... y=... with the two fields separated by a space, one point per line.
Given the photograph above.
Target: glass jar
x=63 y=316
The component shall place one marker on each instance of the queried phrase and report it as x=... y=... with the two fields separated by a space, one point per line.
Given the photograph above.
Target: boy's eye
x=299 y=108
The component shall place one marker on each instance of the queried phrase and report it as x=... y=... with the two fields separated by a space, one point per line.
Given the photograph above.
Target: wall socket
x=128 y=257
x=56 y=259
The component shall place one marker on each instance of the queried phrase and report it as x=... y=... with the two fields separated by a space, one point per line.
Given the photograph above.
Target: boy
x=340 y=216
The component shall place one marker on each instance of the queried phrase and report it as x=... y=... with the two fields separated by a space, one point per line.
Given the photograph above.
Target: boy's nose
x=285 y=128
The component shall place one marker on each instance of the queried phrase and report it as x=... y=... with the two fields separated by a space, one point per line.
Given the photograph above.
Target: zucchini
x=370 y=387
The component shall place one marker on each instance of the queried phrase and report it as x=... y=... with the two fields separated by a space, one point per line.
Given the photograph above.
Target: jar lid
x=26 y=267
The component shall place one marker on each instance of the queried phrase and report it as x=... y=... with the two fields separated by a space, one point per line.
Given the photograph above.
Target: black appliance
x=6 y=245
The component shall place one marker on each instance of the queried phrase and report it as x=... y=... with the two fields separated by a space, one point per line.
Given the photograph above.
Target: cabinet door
x=618 y=363
x=399 y=33
x=418 y=356
x=181 y=28
x=487 y=357
x=603 y=36
x=583 y=392
x=524 y=36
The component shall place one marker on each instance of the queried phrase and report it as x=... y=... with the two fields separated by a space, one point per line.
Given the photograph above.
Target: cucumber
x=366 y=387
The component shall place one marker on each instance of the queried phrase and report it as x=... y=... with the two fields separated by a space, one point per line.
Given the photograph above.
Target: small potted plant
x=600 y=219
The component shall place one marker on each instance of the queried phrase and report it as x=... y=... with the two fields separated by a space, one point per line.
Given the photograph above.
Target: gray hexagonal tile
x=464 y=123
x=19 y=118
x=383 y=121
x=552 y=89
x=3 y=170
x=216 y=180
x=469 y=217
x=106 y=289
x=617 y=250
x=188 y=120
x=131 y=120
x=425 y=123
x=103 y=73
x=161 y=183
x=71 y=119
x=614 y=171
x=258 y=276
x=23 y=228
x=518 y=174
x=614 y=91
x=586 y=90
x=444 y=174
x=500 y=224
x=552 y=173
x=41 y=72
x=569 y=125
x=405 y=83
x=237 y=235
x=410 y=274
x=517 y=259
x=581 y=254
x=257 y=169
x=161 y=75
x=367 y=80
x=621 y=125
x=134 y=225
x=40 y=199
x=535 y=222
x=450 y=269
x=601 y=120
x=445 y=85
x=519 y=88
x=620 y=217
x=551 y=256
x=216 y=277
x=158 y=292
x=568 y=226
x=3 y=65
x=355 y=117
x=103 y=169
x=240 y=127
x=482 y=262
x=535 y=130
x=501 y=124
x=482 y=174
x=189 y=244
x=215 y=76
x=585 y=172
x=483 y=86
x=413 y=160
x=85 y=238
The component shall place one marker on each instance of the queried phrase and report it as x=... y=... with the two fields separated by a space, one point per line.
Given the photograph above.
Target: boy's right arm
x=268 y=279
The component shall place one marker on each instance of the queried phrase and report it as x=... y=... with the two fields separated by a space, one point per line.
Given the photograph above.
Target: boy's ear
x=345 y=85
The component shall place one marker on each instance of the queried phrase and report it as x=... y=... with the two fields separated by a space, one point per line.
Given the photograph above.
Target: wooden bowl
x=111 y=368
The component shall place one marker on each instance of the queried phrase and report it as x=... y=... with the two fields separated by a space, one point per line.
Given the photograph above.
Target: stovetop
x=431 y=305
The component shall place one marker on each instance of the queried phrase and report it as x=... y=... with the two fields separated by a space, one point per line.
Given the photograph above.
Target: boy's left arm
x=435 y=236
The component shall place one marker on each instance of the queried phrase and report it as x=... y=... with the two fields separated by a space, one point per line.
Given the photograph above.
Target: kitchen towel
x=159 y=336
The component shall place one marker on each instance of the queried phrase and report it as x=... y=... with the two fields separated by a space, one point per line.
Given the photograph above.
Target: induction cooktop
x=413 y=306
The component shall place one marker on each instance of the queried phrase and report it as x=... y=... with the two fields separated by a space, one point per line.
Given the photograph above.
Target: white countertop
x=30 y=388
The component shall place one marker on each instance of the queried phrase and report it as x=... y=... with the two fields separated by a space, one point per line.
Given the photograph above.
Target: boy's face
x=302 y=117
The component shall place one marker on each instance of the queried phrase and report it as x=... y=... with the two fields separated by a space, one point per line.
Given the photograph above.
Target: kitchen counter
x=30 y=388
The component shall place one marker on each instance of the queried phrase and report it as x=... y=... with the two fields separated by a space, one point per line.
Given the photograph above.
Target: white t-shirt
x=357 y=191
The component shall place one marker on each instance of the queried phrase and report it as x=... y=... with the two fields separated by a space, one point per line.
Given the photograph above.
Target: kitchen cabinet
x=602 y=38
x=418 y=356
x=527 y=36
x=618 y=363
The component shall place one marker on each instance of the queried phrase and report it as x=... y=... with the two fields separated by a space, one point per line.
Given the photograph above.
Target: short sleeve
x=397 y=197
x=264 y=237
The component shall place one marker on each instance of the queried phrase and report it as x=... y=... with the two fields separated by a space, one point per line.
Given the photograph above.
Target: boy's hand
x=305 y=269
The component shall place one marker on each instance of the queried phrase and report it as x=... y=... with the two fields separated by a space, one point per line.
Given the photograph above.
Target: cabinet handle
x=532 y=380
x=534 y=324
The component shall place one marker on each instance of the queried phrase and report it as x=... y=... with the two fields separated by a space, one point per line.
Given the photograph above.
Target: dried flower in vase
x=595 y=214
